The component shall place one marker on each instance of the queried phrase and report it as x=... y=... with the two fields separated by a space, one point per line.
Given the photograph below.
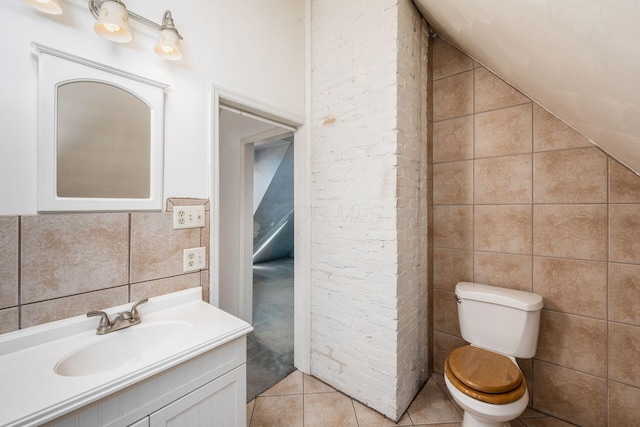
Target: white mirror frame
x=55 y=68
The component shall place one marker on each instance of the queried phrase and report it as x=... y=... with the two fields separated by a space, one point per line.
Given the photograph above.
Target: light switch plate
x=188 y=217
x=194 y=259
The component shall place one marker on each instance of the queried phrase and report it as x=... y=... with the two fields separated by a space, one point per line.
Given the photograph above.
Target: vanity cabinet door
x=218 y=403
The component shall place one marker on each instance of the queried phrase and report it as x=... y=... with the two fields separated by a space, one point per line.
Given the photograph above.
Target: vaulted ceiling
x=579 y=59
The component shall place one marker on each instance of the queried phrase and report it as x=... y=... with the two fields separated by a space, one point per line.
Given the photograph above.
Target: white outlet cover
x=188 y=217
x=194 y=259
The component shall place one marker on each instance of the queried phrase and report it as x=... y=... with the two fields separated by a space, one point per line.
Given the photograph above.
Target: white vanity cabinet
x=186 y=361
x=218 y=403
x=208 y=390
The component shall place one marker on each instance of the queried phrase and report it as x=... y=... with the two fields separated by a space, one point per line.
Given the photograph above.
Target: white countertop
x=31 y=393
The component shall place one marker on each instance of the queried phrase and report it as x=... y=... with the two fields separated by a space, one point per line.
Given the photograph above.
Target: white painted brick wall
x=368 y=177
x=413 y=352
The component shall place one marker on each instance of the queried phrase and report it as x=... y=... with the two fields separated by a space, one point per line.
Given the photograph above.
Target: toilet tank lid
x=521 y=300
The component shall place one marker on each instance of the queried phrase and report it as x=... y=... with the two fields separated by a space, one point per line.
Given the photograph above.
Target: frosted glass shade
x=168 y=45
x=113 y=22
x=52 y=7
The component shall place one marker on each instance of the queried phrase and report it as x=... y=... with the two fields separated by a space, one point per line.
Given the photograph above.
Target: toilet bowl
x=484 y=378
x=488 y=386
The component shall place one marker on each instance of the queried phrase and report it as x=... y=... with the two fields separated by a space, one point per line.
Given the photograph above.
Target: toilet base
x=469 y=420
x=481 y=414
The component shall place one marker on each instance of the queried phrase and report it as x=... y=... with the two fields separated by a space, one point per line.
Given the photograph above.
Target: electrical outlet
x=194 y=259
x=188 y=217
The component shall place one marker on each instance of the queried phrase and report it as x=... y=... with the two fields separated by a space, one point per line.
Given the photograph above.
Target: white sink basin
x=122 y=348
x=63 y=366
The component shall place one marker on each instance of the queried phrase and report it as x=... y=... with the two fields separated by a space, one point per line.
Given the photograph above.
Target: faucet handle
x=104 y=319
x=134 y=309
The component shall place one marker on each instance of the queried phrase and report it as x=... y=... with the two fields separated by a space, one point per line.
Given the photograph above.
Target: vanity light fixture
x=112 y=23
x=52 y=7
x=168 y=45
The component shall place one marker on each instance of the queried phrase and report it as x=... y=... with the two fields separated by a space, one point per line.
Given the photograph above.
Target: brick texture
x=368 y=189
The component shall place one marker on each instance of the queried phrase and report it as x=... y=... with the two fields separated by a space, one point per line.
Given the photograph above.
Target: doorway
x=270 y=348
x=232 y=216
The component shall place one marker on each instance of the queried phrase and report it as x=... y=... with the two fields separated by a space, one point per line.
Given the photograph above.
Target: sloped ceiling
x=579 y=59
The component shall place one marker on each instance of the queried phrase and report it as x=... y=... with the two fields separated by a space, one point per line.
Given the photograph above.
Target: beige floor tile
x=440 y=425
x=545 y=422
x=432 y=406
x=292 y=384
x=281 y=411
x=328 y=409
x=250 y=406
x=314 y=385
x=322 y=406
x=367 y=417
x=443 y=386
x=531 y=413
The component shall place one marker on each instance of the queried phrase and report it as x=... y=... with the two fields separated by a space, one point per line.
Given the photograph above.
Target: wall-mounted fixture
x=112 y=23
x=52 y=7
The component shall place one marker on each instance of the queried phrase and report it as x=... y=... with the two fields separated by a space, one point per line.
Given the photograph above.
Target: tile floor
x=303 y=401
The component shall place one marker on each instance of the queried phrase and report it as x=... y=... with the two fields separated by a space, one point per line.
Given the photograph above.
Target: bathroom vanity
x=184 y=364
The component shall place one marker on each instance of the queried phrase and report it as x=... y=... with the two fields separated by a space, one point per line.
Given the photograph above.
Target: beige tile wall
x=523 y=201
x=60 y=265
x=430 y=239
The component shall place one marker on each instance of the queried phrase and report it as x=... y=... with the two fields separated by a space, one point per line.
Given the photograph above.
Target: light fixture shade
x=52 y=7
x=113 y=22
x=168 y=45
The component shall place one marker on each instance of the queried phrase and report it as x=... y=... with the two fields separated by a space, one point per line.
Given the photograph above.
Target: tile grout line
x=473 y=172
x=253 y=408
x=19 y=271
x=353 y=407
x=130 y=251
x=607 y=413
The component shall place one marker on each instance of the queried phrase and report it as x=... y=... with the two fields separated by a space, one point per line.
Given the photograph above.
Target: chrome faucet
x=121 y=321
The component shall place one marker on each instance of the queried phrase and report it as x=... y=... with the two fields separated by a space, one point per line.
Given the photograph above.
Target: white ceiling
x=579 y=59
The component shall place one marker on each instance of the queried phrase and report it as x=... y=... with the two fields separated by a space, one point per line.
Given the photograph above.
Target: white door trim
x=245 y=294
x=302 y=229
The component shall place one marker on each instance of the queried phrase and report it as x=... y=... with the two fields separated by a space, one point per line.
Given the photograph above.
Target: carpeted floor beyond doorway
x=270 y=345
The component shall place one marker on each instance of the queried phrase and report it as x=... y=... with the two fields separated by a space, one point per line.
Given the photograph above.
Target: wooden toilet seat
x=484 y=375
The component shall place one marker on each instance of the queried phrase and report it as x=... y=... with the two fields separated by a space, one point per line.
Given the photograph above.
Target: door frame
x=302 y=215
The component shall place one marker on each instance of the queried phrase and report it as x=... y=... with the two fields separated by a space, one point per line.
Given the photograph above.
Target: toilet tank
x=498 y=319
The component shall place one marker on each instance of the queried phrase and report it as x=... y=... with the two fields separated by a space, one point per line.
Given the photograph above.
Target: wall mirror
x=100 y=133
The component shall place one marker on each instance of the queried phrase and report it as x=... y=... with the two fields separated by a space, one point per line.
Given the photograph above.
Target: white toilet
x=484 y=378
